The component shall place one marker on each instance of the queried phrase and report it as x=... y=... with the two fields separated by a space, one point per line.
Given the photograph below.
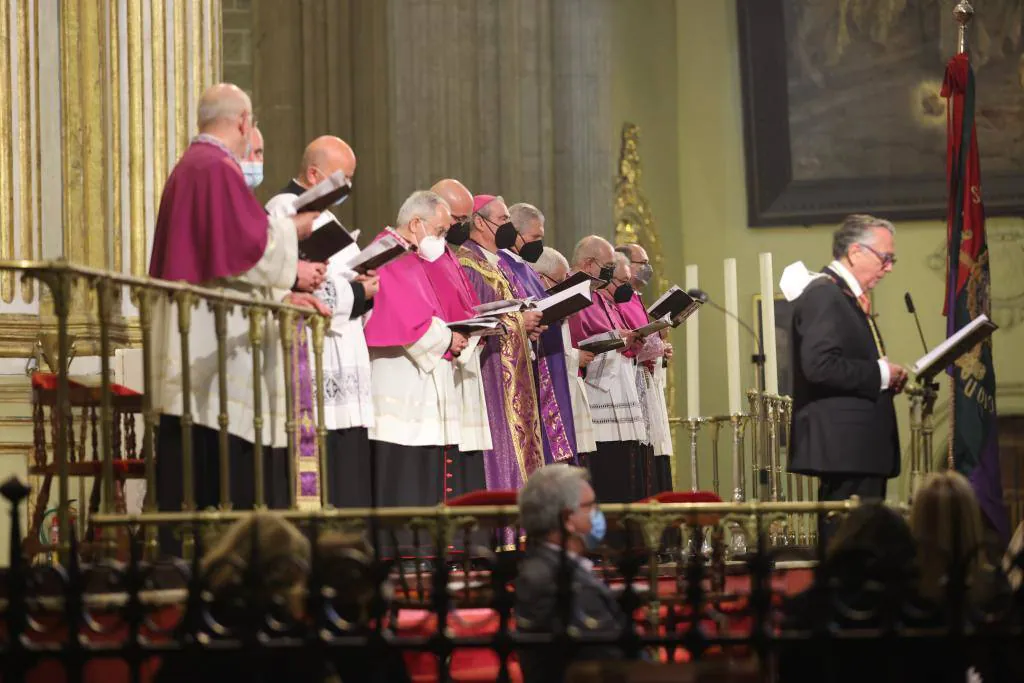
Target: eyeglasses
x=886 y=259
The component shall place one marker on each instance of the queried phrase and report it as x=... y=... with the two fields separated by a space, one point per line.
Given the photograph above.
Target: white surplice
x=614 y=404
x=474 y=428
x=581 y=416
x=415 y=402
x=663 y=439
x=347 y=387
x=270 y=279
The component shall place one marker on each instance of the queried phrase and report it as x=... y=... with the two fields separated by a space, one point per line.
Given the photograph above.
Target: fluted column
x=584 y=131
x=97 y=99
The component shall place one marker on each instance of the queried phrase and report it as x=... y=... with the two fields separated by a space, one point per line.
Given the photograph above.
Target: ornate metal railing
x=91 y=302
x=365 y=600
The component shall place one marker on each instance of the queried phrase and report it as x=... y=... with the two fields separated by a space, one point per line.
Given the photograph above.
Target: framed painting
x=842 y=111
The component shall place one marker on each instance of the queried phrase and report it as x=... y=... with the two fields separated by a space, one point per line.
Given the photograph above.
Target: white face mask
x=253 y=171
x=430 y=248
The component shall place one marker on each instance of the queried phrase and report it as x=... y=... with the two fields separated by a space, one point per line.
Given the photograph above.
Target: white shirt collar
x=848 y=278
x=491 y=257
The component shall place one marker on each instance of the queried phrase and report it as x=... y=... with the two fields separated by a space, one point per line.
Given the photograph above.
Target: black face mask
x=505 y=236
x=458 y=233
x=606 y=273
x=623 y=293
x=531 y=251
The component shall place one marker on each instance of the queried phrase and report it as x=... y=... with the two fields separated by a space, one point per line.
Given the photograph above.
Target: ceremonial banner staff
x=973 y=443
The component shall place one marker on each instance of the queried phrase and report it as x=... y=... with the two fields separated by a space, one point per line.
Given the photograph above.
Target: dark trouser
x=170 y=474
x=348 y=468
x=835 y=487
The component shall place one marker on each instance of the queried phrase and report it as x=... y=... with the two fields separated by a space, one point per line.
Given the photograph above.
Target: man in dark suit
x=844 y=424
x=555 y=588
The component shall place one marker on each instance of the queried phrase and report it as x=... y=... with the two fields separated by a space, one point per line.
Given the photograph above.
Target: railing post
x=15 y=617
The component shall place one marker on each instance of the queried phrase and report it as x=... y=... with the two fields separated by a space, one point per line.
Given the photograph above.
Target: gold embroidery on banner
x=525 y=436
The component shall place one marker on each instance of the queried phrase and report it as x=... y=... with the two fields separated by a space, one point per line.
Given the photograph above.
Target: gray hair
x=856 y=229
x=224 y=101
x=549 y=492
x=523 y=215
x=619 y=258
x=549 y=262
x=420 y=204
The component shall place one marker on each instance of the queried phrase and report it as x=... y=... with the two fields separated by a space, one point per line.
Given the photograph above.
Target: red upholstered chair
x=704 y=519
x=496 y=497
x=129 y=462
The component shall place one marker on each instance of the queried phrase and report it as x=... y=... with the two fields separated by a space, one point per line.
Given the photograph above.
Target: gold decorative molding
x=6 y=158
x=114 y=169
x=136 y=140
x=634 y=224
x=27 y=171
x=158 y=22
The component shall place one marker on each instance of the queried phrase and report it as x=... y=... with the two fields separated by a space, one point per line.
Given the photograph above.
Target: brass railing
x=69 y=285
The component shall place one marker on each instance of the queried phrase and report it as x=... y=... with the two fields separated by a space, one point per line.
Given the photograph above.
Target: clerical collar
x=293 y=187
x=515 y=257
x=207 y=139
x=851 y=282
x=491 y=257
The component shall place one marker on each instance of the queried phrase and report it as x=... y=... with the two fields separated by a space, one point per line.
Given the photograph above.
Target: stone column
x=584 y=131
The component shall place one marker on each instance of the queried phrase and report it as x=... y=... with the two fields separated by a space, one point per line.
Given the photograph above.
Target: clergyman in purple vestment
x=550 y=375
x=509 y=386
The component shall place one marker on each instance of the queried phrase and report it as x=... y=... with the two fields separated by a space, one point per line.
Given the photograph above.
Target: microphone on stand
x=702 y=296
x=909 y=301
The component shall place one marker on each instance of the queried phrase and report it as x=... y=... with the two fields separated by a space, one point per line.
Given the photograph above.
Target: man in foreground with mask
x=348 y=406
x=561 y=517
x=617 y=468
x=652 y=354
x=551 y=381
x=211 y=231
x=505 y=362
x=415 y=405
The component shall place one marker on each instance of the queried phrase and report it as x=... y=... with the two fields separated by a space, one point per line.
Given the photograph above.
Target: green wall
x=677 y=77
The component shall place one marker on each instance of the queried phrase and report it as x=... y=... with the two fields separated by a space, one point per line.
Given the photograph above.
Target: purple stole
x=509 y=391
x=552 y=381
x=307 y=457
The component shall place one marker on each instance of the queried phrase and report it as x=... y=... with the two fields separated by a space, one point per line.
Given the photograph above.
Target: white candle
x=732 y=338
x=692 y=353
x=771 y=364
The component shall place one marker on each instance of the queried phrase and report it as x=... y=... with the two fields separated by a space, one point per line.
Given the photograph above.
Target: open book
x=603 y=342
x=946 y=353
x=504 y=306
x=376 y=254
x=564 y=303
x=574 y=280
x=324 y=194
x=654 y=327
x=676 y=304
x=477 y=327
x=327 y=239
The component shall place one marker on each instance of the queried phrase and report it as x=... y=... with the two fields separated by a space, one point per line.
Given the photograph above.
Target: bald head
x=458 y=197
x=592 y=254
x=324 y=156
x=225 y=112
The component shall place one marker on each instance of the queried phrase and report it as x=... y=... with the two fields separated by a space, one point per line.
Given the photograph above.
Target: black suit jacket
x=595 y=612
x=842 y=423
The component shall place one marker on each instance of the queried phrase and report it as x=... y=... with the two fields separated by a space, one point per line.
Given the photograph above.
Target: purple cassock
x=550 y=376
x=509 y=389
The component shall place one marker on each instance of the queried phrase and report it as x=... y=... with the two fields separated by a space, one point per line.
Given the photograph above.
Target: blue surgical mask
x=253 y=171
x=598 y=527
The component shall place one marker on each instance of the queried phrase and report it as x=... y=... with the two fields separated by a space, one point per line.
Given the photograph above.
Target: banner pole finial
x=963 y=13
